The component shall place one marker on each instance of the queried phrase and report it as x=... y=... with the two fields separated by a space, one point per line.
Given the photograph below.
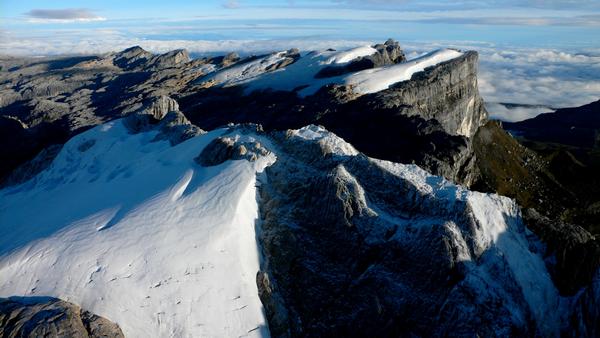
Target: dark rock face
x=352 y=249
x=31 y=168
x=574 y=254
x=585 y=320
x=171 y=59
x=568 y=141
x=577 y=126
x=51 y=317
x=447 y=93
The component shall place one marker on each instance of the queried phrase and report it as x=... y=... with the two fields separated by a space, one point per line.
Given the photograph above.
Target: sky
x=543 y=53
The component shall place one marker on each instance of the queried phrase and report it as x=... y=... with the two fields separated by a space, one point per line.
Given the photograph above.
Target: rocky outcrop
x=51 y=317
x=132 y=58
x=289 y=57
x=222 y=149
x=229 y=59
x=162 y=113
x=170 y=59
x=151 y=113
x=388 y=53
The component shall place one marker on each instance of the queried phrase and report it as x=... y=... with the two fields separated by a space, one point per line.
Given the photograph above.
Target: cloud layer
x=540 y=78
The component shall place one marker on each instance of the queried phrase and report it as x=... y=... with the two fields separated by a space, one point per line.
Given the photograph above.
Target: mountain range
x=322 y=193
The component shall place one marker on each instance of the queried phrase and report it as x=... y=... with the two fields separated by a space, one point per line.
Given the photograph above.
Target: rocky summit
x=290 y=194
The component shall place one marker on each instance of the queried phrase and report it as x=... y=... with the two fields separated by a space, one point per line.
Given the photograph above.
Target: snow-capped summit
x=310 y=71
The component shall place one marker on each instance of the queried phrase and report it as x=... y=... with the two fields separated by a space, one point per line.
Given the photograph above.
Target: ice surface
x=137 y=232
x=351 y=54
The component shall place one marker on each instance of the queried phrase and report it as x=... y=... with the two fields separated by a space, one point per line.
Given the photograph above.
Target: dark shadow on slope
x=62 y=63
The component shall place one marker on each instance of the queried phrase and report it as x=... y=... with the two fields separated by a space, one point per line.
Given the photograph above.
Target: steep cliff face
x=447 y=93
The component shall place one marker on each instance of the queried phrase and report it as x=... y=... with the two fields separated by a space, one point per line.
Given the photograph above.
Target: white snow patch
x=300 y=75
x=136 y=231
x=499 y=226
x=246 y=71
x=377 y=79
x=352 y=54
x=329 y=142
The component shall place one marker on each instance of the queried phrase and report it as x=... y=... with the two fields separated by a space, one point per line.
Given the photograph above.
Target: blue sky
x=543 y=52
x=529 y=22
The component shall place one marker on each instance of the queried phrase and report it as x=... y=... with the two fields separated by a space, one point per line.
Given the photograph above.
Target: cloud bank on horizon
x=541 y=53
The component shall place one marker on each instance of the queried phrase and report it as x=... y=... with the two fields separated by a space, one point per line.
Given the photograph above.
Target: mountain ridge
x=337 y=229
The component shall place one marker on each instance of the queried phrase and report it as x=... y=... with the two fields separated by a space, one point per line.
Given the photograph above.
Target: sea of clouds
x=530 y=80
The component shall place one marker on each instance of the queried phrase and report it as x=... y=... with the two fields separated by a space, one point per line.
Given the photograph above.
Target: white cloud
x=514 y=113
x=103 y=41
x=231 y=4
x=62 y=15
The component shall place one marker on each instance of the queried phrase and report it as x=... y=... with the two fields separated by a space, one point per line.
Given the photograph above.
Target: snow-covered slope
x=351 y=54
x=377 y=79
x=137 y=232
x=245 y=71
x=302 y=74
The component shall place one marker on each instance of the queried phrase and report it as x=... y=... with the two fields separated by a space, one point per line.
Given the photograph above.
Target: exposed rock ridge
x=162 y=113
x=51 y=317
x=355 y=246
x=388 y=53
